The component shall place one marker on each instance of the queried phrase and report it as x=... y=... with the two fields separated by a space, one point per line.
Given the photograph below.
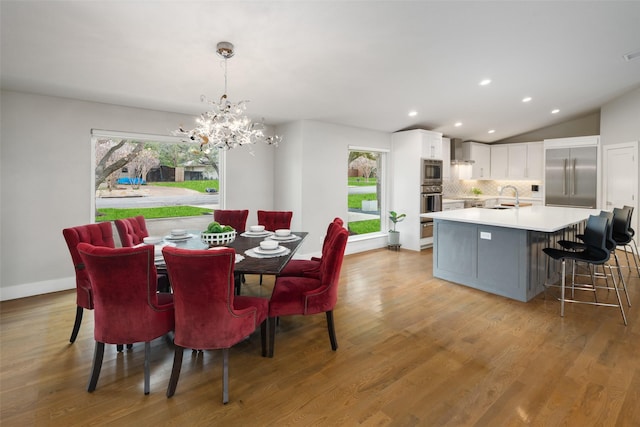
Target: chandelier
x=226 y=126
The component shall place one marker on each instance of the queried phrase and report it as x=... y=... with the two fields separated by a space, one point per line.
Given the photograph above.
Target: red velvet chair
x=274 y=220
x=100 y=234
x=307 y=295
x=233 y=218
x=311 y=267
x=132 y=231
x=126 y=305
x=208 y=314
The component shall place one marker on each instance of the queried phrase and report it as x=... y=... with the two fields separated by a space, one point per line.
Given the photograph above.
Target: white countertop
x=535 y=218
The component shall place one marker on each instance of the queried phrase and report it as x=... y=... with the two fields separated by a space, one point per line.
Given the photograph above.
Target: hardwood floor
x=413 y=350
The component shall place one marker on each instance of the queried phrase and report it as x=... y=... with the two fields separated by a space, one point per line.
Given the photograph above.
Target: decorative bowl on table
x=218 y=239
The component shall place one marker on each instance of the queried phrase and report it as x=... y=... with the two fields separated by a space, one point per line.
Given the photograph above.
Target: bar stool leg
x=562 y=288
x=624 y=284
x=615 y=286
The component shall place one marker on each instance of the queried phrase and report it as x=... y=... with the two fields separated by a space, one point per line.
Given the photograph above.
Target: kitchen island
x=500 y=250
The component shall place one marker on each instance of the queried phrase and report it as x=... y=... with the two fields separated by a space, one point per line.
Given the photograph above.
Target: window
x=152 y=175
x=365 y=181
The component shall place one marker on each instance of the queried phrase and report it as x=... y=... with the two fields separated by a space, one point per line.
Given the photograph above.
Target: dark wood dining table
x=249 y=265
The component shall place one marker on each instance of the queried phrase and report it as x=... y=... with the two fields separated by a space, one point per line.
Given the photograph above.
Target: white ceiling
x=363 y=64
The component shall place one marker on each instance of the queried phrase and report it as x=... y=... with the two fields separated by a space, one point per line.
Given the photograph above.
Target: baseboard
x=37 y=288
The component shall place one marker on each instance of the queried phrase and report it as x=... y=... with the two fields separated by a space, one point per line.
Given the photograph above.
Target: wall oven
x=432 y=172
x=430 y=201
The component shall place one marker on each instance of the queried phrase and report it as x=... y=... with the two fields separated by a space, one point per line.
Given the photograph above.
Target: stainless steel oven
x=432 y=172
x=430 y=201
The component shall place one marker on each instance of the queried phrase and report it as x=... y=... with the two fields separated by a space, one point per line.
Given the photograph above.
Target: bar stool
x=594 y=253
x=611 y=247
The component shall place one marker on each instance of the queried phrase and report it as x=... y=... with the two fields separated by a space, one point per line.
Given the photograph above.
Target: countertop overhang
x=547 y=219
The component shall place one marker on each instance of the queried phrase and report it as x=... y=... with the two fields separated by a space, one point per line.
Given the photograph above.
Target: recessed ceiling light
x=556 y=111
x=526 y=99
x=485 y=82
x=413 y=113
x=492 y=131
x=458 y=124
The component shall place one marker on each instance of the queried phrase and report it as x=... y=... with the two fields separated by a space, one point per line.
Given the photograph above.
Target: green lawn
x=200 y=186
x=110 y=214
x=363 y=227
x=361 y=182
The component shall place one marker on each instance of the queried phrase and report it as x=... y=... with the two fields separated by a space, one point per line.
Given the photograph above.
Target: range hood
x=456 y=153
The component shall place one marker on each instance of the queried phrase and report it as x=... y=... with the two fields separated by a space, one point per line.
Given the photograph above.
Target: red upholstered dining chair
x=132 y=231
x=308 y=295
x=100 y=234
x=233 y=218
x=274 y=220
x=208 y=314
x=127 y=307
x=311 y=267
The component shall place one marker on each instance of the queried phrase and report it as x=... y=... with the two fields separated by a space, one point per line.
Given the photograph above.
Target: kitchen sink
x=501 y=207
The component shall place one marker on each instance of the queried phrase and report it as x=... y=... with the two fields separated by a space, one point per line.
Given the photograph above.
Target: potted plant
x=394 y=236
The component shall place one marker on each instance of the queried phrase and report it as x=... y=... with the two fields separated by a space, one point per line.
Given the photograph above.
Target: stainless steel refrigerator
x=571 y=177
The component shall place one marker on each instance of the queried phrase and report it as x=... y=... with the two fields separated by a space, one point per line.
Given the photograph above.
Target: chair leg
x=225 y=375
x=98 y=355
x=332 y=330
x=76 y=324
x=175 y=372
x=635 y=254
x=119 y=347
x=147 y=369
x=562 y=288
x=615 y=286
x=621 y=276
x=272 y=335
x=263 y=336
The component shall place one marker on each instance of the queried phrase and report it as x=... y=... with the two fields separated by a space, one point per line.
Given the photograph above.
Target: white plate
x=284 y=238
x=261 y=251
x=178 y=239
x=256 y=234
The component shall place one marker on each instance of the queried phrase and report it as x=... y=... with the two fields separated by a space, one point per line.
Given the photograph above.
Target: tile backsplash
x=489 y=188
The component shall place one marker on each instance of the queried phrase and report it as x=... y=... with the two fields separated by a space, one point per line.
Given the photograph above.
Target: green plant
x=476 y=191
x=396 y=218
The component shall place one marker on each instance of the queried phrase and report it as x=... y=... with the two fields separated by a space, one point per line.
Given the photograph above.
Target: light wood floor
x=414 y=350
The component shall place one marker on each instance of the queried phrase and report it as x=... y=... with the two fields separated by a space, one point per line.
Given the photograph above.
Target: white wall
x=45 y=178
x=317 y=156
x=620 y=119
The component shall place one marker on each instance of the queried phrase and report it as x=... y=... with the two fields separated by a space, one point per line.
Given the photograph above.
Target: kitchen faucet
x=516 y=191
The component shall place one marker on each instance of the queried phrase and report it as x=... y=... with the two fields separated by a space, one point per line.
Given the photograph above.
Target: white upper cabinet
x=481 y=155
x=500 y=156
x=522 y=161
x=535 y=161
x=431 y=145
x=517 y=161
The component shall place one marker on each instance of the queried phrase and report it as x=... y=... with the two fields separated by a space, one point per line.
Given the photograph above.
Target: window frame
x=384 y=183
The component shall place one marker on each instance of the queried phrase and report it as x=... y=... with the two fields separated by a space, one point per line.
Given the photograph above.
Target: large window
x=365 y=181
x=153 y=176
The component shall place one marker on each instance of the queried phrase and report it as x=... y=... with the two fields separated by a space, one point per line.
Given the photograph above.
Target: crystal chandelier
x=226 y=126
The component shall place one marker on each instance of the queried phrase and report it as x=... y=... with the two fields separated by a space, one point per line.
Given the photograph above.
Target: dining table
x=250 y=259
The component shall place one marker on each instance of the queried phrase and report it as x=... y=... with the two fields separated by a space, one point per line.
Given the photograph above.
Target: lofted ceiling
x=357 y=63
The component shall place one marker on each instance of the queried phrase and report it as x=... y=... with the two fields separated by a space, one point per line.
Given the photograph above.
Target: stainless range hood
x=456 y=153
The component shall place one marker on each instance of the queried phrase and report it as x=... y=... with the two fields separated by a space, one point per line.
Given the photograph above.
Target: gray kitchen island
x=500 y=250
